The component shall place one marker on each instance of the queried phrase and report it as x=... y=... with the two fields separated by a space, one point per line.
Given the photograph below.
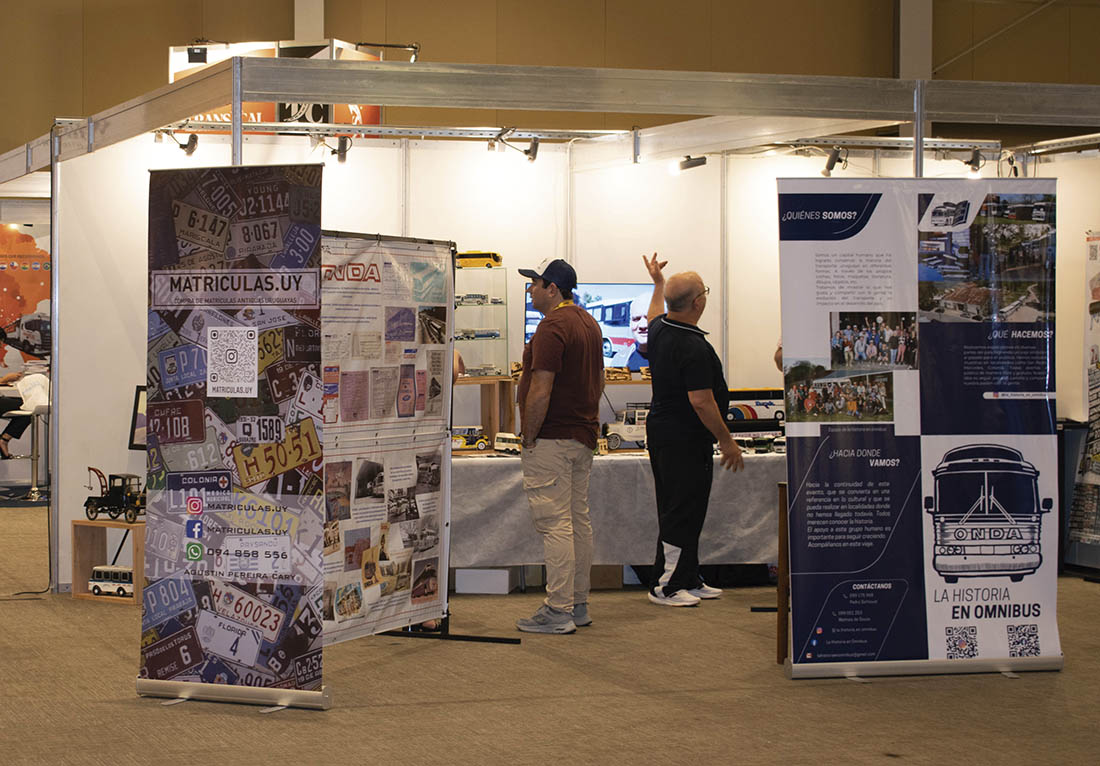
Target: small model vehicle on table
x=483 y=371
x=629 y=426
x=108 y=580
x=506 y=442
x=611 y=374
x=469 y=437
x=121 y=495
x=472 y=299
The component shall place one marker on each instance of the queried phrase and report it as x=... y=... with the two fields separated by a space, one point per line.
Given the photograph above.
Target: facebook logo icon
x=194 y=528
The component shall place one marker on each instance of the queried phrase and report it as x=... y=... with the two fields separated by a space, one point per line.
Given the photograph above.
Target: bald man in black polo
x=685 y=420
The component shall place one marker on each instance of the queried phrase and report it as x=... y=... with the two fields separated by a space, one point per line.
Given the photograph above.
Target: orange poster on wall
x=24 y=300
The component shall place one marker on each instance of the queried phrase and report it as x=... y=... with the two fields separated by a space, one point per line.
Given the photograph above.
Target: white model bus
x=108 y=580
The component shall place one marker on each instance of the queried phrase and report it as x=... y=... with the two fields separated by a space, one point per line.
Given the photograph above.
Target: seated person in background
x=16 y=425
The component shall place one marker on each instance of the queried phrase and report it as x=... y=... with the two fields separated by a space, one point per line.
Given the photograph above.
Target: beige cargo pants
x=555 y=478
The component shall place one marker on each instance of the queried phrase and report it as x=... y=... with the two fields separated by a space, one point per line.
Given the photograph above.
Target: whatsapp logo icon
x=194 y=551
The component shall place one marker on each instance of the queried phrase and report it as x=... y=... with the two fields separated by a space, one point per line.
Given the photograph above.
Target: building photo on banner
x=923 y=476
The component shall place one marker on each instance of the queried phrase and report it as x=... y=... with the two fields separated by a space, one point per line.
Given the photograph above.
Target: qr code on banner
x=962 y=642
x=232 y=364
x=1023 y=640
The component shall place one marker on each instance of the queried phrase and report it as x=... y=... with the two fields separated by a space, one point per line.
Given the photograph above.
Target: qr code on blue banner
x=962 y=642
x=1023 y=640
x=232 y=365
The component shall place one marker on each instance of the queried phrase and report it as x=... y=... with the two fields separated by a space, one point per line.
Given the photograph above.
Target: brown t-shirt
x=567 y=343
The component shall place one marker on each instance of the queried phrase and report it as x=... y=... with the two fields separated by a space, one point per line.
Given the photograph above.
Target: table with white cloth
x=491 y=525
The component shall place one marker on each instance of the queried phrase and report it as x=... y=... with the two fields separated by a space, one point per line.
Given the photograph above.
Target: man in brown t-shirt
x=559 y=399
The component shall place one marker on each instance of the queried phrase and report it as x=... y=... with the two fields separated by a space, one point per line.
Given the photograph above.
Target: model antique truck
x=629 y=426
x=121 y=495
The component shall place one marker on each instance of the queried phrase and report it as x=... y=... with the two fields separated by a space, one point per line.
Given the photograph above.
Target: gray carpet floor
x=644 y=684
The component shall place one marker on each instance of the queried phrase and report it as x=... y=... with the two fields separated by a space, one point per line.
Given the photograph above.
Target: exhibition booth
x=598 y=201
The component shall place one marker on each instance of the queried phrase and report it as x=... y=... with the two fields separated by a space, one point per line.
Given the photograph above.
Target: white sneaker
x=679 y=598
x=705 y=591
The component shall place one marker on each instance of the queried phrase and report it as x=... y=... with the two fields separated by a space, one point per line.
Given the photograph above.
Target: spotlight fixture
x=974 y=163
x=189 y=146
x=343 y=143
x=689 y=162
x=531 y=152
x=832 y=159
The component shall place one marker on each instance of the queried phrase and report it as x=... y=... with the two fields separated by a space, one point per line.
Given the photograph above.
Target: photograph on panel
x=872 y=340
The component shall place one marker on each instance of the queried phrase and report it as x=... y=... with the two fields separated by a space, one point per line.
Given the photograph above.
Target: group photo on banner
x=918 y=363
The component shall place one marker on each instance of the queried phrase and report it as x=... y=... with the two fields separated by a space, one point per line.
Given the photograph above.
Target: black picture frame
x=138 y=420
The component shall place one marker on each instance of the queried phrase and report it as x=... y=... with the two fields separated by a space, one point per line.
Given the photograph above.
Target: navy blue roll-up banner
x=918 y=354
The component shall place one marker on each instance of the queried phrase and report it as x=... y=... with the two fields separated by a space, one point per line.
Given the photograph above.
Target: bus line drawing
x=986 y=514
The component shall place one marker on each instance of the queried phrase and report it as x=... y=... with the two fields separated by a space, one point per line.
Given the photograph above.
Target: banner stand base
x=920 y=667
x=245 y=695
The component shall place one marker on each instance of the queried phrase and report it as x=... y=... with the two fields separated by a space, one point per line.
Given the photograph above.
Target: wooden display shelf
x=498 y=403
x=90 y=550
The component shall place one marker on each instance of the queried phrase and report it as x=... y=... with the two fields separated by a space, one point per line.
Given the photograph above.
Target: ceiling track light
x=188 y=146
x=975 y=163
x=343 y=143
x=835 y=155
x=689 y=162
x=531 y=152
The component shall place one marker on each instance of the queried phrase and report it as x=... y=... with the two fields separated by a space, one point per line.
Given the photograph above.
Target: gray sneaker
x=580 y=615
x=548 y=620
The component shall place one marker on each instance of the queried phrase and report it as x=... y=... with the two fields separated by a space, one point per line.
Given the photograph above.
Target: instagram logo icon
x=194 y=505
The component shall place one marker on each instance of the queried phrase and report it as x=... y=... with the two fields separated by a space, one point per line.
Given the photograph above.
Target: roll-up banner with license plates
x=386 y=328
x=918 y=353
x=232 y=609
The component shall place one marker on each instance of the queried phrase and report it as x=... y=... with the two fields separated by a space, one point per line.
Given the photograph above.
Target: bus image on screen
x=619 y=308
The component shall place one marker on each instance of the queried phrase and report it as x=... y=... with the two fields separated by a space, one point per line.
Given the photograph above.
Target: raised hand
x=653 y=266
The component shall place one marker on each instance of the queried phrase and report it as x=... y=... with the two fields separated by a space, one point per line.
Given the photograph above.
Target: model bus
x=986 y=514
x=108 y=580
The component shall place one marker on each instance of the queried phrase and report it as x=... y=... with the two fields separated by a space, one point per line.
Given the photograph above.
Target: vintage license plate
x=305 y=204
x=263 y=199
x=182 y=365
x=261 y=462
x=252 y=676
x=217 y=671
x=218 y=195
x=299 y=245
x=307 y=400
x=204 y=228
x=257 y=237
x=307 y=668
x=260 y=429
x=167 y=340
x=171 y=656
x=283 y=378
x=302 y=344
x=199 y=482
x=227 y=638
x=177 y=422
x=298 y=641
x=163 y=539
x=303 y=175
x=195 y=326
x=270 y=348
x=164 y=599
x=204 y=456
x=248 y=610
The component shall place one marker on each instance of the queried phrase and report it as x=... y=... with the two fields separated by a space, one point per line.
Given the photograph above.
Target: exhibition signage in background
x=384 y=398
x=24 y=299
x=233 y=605
x=1083 y=534
x=918 y=349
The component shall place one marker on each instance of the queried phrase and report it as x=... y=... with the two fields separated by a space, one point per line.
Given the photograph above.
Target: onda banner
x=918 y=351
x=232 y=606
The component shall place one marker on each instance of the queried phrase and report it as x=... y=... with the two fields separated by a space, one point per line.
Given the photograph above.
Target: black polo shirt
x=681 y=360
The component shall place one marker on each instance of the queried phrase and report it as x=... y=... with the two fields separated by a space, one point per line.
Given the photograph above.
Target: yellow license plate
x=271 y=348
x=265 y=461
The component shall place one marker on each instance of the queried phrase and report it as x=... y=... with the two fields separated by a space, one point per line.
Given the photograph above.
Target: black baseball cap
x=557 y=271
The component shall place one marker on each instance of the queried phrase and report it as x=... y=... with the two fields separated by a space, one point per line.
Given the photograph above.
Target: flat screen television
x=620 y=310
